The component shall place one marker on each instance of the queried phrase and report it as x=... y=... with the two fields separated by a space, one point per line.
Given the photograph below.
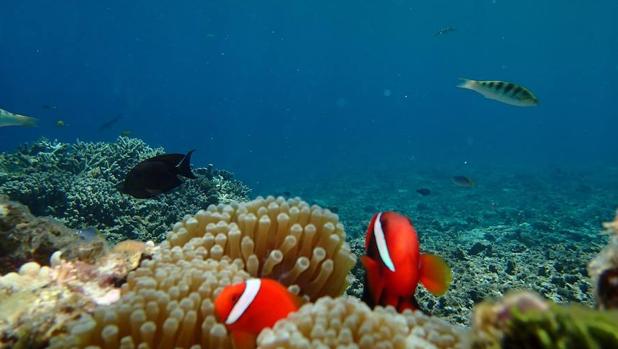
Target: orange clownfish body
x=249 y=307
x=394 y=264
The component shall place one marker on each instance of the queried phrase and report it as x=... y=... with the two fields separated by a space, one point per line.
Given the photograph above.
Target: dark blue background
x=274 y=89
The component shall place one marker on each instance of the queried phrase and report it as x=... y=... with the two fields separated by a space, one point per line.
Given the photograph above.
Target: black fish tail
x=184 y=167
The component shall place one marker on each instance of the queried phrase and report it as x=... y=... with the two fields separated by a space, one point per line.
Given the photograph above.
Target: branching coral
x=77 y=183
x=524 y=320
x=286 y=240
x=346 y=322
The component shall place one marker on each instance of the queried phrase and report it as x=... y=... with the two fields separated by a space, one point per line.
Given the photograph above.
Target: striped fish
x=502 y=91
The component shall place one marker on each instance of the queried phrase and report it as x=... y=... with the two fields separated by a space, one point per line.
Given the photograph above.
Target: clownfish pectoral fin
x=374 y=279
x=244 y=340
x=435 y=274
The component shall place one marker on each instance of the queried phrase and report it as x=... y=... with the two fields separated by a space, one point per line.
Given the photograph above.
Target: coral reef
x=38 y=301
x=26 y=238
x=346 y=322
x=77 y=183
x=525 y=320
x=169 y=298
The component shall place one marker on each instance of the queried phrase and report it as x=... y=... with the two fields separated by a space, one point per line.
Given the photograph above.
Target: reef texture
x=77 y=183
x=525 y=320
x=38 y=301
x=26 y=238
x=169 y=299
x=346 y=322
x=299 y=245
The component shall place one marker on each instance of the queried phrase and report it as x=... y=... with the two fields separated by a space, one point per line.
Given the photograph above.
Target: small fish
x=249 y=307
x=502 y=91
x=444 y=30
x=88 y=234
x=50 y=107
x=394 y=265
x=157 y=175
x=9 y=119
x=463 y=181
x=109 y=123
x=423 y=191
x=60 y=123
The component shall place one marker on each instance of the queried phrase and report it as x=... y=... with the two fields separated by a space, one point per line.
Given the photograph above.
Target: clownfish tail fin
x=435 y=274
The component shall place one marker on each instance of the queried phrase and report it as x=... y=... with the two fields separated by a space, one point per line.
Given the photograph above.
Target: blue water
x=278 y=90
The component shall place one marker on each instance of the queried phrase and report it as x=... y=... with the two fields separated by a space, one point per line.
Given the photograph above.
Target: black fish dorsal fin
x=184 y=166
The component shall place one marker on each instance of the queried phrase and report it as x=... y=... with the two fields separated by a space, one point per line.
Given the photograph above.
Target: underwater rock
x=27 y=238
x=77 y=183
x=38 y=301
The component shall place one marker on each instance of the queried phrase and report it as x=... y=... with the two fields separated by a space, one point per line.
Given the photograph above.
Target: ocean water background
x=298 y=93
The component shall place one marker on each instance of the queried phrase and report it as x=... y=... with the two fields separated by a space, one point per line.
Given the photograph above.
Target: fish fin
x=375 y=281
x=409 y=303
x=435 y=274
x=467 y=83
x=243 y=340
x=184 y=166
x=28 y=121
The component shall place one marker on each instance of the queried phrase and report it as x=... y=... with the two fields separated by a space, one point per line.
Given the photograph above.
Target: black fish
x=157 y=175
x=423 y=191
x=109 y=123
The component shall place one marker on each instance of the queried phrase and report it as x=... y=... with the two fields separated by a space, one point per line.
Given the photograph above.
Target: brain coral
x=286 y=240
x=346 y=322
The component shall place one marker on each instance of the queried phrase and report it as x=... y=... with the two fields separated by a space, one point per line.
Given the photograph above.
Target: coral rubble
x=78 y=184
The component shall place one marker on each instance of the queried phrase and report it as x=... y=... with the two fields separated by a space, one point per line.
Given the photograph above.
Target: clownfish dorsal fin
x=243 y=340
x=378 y=234
x=252 y=287
x=374 y=279
x=435 y=274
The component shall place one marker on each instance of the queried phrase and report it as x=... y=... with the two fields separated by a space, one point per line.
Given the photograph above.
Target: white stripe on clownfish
x=252 y=287
x=381 y=242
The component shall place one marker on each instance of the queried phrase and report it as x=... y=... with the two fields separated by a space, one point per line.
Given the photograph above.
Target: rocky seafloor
x=516 y=229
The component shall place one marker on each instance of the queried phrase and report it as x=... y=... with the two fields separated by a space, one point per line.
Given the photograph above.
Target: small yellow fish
x=502 y=91
x=10 y=119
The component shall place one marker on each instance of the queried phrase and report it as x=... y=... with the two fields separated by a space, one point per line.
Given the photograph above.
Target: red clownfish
x=395 y=265
x=249 y=307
